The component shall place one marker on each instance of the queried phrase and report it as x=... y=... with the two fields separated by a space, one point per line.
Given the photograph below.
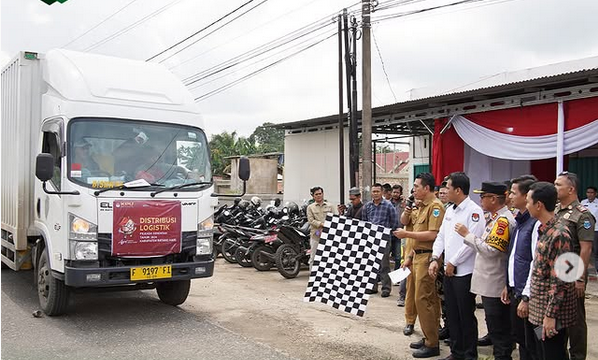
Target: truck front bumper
x=93 y=277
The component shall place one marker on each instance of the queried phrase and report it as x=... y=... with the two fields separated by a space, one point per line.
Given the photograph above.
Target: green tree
x=227 y=144
x=268 y=139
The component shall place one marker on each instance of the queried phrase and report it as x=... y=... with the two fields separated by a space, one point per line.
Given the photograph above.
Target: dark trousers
x=395 y=251
x=499 y=327
x=384 y=270
x=554 y=348
x=521 y=335
x=578 y=333
x=460 y=311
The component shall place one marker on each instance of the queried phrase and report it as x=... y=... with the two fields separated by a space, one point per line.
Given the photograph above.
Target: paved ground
x=238 y=312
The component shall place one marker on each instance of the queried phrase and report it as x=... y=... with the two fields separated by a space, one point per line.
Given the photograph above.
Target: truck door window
x=50 y=146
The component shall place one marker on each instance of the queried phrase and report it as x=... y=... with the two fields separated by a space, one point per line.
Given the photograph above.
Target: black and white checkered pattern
x=346 y=263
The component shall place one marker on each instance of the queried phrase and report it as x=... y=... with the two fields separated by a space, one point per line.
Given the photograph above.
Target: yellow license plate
x=151 y=272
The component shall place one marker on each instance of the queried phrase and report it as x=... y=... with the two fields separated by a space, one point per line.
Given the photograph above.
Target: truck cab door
x=50 y=207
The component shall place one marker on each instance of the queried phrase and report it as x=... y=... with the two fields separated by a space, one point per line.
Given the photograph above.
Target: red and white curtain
x=498 y=145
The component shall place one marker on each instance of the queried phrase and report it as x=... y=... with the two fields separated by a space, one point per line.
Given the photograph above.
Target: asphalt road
x=116 y=325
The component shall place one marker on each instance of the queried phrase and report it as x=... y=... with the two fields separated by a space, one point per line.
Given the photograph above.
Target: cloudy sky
x=423 y=54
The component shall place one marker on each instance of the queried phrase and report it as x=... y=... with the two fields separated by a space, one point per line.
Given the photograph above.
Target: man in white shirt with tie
x=459 y=262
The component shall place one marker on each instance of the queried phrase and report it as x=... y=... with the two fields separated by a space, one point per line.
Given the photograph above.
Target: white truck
x=123 y=195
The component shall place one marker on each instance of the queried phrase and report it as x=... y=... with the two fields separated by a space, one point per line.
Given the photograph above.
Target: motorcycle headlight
x=205 y=236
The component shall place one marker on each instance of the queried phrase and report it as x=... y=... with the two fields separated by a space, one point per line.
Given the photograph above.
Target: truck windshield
x=106 y=153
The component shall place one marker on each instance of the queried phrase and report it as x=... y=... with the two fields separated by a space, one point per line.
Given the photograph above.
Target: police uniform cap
x=497 y=188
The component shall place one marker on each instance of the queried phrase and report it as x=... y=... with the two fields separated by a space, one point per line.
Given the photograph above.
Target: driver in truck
x=82 y=156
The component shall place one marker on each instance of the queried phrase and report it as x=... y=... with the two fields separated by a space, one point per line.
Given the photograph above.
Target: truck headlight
x=205 y=236
x=83 y=239
x=84 y=250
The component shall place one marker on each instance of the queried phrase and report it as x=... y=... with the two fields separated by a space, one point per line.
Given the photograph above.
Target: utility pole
x=341 y=127
x=366 y=112
x=354 y=140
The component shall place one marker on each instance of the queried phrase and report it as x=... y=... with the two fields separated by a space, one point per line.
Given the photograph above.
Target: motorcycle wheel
x=287 y=266
x=242 y=259
x=259 y=261
x=229 y=246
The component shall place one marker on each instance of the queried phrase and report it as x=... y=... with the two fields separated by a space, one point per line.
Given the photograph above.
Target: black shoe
x=418 y=344
x=485 y=340
x=426 y=352
x=385 y=293
x=447 y=341
x=408 y=330
x=373 y=291
x=443 y=333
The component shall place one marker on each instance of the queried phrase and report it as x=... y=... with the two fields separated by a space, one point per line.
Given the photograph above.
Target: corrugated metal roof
x=572 y=73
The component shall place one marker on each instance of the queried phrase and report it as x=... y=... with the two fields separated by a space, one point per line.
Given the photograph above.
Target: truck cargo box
x=20 y=122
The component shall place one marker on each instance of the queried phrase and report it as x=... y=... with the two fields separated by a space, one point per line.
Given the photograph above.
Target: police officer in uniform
x=581 y=223
x=489 y=274
x=425 y=229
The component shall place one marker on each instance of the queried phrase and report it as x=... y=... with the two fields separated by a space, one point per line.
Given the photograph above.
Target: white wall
x=312 y=159
x=419 y=154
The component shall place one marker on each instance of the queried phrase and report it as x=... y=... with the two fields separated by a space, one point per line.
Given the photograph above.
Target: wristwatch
x=432 y=259
x=524 y=298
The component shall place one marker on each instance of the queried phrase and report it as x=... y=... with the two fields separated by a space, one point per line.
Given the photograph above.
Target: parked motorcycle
x=294 y=251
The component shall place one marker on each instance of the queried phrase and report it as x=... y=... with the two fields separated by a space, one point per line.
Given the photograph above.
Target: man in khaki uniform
x=316 y=215
x=425 y=228
x=580 y=223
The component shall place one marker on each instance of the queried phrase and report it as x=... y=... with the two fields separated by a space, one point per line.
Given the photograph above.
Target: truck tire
x=53 y=293
x=284 y=261
x=173 y=292
x=259 y=261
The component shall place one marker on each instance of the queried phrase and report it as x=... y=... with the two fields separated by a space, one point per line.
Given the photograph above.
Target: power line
x=407 y=13
x=240 y=36
x=205 y=28
x=383 y=67
x=260 y=50
x=99 y=24
x=135 y=24
x=231 y=84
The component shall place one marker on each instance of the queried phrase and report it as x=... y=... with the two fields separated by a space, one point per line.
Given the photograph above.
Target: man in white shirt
x=519 y=267
x=459 y=262
x=592 y=204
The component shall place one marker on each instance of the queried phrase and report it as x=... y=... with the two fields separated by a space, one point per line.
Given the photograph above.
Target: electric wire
x=99 y=24
x=256 y=72
x=383 y=66
x=132 y=26
x=205 y=28
x=245 y=33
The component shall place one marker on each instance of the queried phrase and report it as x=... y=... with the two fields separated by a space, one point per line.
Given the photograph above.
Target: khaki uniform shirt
x=489 y=275
x=428 y=218
x=316 y=215
x=579 y=221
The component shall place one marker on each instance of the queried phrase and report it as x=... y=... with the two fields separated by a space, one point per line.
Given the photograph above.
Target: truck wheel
x=286 y=261
x=53 y=294
x=260 y=261
x=173 y=292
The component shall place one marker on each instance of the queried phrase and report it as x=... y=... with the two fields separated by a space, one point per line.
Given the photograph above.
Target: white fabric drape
x=513 y=147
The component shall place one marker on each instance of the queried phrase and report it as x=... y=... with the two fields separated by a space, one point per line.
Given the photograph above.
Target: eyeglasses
x=486 y=195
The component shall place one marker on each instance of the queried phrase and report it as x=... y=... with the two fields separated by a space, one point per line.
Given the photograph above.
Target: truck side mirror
x=44 y=166
x=244 y=170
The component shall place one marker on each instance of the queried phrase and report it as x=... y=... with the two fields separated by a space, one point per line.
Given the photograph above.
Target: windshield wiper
x=180 y=187
x=122 y=187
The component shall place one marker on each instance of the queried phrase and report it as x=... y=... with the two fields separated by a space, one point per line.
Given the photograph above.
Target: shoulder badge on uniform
x=475 y=217
x=436 y=212
x=587 y=225
x=581 y=208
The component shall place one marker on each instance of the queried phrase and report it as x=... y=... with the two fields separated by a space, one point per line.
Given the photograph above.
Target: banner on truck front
x=146 y=228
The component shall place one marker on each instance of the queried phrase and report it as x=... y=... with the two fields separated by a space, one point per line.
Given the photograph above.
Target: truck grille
x=188 y=242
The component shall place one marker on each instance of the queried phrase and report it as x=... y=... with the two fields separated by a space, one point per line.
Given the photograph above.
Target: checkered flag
x=346 y=263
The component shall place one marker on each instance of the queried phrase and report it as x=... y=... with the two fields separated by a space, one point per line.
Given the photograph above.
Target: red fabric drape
x=447 y=151
x=538 y=119
x=545 y=170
